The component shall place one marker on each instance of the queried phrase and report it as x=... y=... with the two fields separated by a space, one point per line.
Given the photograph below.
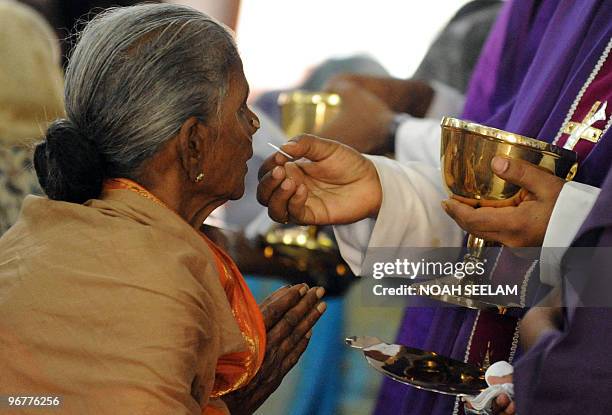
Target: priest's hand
x=545 y=317
x=289 y=315
x=329 y=183
x=522 y=225
x=502 y=405
x=362 y=122
x=400 y=95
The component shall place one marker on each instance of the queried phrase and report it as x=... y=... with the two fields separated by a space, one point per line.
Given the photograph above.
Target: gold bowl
x=466 y=153
x=304 y=112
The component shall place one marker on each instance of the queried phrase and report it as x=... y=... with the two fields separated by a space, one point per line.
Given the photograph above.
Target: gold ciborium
x=465 y=157
x=305 y=112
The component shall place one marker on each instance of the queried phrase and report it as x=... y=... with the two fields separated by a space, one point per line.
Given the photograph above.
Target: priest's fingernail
x=286 y=185
x=290 y=144
x=278 y=172
x=309 y=334
x=301 y=190
x=320 y=292
x=444 y=205
x=499 y=164
x=303 y=290
x=321 y=307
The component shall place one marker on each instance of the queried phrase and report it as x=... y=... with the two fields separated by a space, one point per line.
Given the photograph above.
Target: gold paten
x=421 y=369
x=304 y=112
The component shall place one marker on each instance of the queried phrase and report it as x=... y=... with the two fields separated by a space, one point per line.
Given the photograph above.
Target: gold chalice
x=465 y=158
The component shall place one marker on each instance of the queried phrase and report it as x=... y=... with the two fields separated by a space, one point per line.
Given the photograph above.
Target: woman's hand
x=523 y=225
x=335 y=185
x=289 y=315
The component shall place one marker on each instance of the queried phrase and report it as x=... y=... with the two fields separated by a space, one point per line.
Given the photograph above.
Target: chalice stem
x=476 y=247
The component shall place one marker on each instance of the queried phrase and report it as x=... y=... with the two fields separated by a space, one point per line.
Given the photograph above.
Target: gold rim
x=506 y=137
x=307 y=97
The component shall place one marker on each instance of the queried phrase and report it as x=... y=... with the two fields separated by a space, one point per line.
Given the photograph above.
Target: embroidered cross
x=585 y=130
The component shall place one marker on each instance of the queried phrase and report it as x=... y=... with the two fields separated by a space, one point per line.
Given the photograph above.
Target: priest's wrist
x=392 y=130
x=417 y=97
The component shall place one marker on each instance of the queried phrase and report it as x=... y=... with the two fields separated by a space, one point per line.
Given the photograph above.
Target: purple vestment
x=536 y=60
x=568 y=371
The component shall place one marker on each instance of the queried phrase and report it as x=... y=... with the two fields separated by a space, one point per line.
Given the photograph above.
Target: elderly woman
x=111 y=298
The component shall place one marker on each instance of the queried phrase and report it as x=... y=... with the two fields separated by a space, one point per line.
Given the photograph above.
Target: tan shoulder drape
x=116 y=307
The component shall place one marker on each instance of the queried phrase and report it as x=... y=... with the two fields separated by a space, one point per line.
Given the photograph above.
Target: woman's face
x=225 y=161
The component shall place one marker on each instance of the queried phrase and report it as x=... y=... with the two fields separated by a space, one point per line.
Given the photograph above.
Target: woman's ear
x=192 y=137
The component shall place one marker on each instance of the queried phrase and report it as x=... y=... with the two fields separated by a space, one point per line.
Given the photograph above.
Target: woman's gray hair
x=136 y=74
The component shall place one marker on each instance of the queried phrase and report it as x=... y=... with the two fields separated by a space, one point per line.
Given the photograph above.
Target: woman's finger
x=307 y=323
x=293 y=357
x=278 y=303
x=293 y=317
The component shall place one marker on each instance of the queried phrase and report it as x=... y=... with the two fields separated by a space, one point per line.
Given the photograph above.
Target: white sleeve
x=418 y=139
x=446 y=102
x=571 y=209
x=410 y=214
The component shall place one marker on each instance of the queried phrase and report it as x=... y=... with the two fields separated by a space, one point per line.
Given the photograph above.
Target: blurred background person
x=31 y=96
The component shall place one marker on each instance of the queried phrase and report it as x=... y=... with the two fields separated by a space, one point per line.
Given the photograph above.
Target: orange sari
x=234 y=370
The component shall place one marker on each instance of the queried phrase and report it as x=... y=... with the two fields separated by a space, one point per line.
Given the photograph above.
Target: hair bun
x=68 y=164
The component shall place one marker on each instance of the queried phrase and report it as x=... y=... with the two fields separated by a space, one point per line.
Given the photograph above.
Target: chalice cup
x=465 y=158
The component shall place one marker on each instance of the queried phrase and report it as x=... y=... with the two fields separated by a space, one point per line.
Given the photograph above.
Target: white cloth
x=573 y=205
